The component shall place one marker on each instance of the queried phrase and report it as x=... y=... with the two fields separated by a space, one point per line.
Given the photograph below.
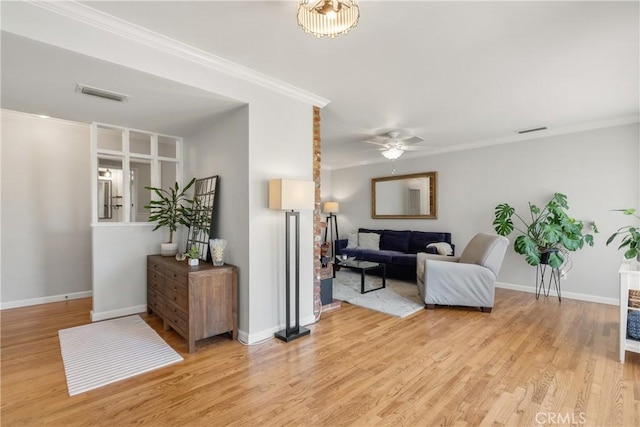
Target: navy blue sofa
x=398 y=249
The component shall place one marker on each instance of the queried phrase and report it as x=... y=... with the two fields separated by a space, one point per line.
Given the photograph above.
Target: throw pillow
x=352 y=241
x=443 y=248
x=369 y=241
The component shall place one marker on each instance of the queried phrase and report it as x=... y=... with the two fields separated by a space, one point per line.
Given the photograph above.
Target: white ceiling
x=458 y=74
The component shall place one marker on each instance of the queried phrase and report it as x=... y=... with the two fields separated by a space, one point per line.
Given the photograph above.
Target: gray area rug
x=398 y=299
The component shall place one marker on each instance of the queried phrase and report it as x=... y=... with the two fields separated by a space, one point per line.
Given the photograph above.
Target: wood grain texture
x=527 y=363
x=197 y=302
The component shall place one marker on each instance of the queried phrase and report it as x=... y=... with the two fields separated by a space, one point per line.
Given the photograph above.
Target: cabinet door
x=212 y=303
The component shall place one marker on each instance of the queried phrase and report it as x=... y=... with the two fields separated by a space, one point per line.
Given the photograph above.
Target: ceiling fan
x=392 y=145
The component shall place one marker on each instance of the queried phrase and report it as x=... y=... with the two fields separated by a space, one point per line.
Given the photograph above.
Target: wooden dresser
x=196 y=302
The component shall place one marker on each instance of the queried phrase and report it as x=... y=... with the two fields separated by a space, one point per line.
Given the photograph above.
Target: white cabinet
x=629 y=279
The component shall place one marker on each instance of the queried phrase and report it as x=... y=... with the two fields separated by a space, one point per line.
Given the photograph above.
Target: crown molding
x=37 y=118
x=119 y=27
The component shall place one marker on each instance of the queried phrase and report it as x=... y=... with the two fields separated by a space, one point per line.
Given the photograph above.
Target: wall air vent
x=532 y=130
x=101 y=93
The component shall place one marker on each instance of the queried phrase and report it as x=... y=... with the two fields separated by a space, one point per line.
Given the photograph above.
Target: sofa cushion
x=420 y=239
x=352 y=241
x=369 y=241
x=395 y=240
x=404 y=259
x=379 y=256
x=368 y=230
x=442 y=248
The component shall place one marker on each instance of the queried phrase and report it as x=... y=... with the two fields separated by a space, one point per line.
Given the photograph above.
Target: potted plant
x=194 y=256
x=630 y=236
x=548 y=236
x=171 y=209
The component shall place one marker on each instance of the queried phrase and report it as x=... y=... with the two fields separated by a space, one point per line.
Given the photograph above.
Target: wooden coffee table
x=363 y=267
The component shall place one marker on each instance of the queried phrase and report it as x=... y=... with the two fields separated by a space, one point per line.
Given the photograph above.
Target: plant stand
x=542 y=277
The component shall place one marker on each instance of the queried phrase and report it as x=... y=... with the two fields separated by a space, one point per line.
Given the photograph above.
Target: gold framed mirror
x=413 y=196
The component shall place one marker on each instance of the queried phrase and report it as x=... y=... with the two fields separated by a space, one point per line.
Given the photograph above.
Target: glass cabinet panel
x=139 y=143
x=110 y=190
x=167 y=147
x=109 y=138
x=140 y=177
x=168 y=173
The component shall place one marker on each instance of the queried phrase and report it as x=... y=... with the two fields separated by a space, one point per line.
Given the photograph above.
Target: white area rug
x=105 y=352
x=398 y=299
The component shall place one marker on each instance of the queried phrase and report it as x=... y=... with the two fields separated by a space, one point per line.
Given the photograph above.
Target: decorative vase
x=168 y=249
x=217 y=250
x=193 y=262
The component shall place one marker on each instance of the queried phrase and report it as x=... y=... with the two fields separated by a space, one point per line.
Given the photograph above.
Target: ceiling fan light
x=392 y=153
x=328 y=18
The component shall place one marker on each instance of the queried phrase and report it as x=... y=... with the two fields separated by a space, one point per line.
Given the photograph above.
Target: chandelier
x=392 y=153
x=328 y=18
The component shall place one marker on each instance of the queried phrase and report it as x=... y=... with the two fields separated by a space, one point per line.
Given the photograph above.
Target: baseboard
x=45 y=300
x=552 y=292
x=269 y=333
x=127 y=311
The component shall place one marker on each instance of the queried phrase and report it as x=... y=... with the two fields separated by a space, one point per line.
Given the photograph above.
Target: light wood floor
x=527 y=363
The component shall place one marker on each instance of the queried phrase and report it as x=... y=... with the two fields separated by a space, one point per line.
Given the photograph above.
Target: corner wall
x=222 y=149
x=598 y=170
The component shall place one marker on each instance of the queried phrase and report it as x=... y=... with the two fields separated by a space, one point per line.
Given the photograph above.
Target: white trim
x=137 y=309
x=81 y=125
x=269 y=333
x=45 y=300
x=552 y=293
x=119 y=27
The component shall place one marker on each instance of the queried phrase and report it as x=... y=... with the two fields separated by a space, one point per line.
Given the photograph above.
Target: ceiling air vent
x=532 y=130
x=101 y=93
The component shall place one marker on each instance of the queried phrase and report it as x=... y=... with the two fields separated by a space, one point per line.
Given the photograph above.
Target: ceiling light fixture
x=392 y=153
x=328 y=18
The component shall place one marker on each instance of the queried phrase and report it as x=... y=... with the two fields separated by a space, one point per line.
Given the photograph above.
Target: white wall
x=598 y=170
x=46 y=211
x=120 y=267
x=280 y=134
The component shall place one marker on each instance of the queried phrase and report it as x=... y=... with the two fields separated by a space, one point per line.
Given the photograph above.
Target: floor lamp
x=291 y=196
x=331 y=208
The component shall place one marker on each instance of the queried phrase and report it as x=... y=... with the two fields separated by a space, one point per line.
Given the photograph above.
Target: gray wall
x=222 y=149
x=598 y=170
x=46 y=251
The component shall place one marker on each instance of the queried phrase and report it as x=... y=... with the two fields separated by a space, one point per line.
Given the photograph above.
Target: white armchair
x=467 y=280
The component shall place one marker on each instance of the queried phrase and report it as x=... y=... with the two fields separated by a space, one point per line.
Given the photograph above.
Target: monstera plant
x=630 y=236
x=549 y=234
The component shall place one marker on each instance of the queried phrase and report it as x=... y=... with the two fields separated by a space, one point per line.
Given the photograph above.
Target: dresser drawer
x=155 y=280
x=178 y=320
x=176 y=276
x=154 y=265
x=155 y=302
x=177 y=294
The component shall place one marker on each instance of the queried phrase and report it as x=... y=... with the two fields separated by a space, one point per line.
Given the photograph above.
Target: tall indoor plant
x=172 y=208
x=630 y=236
x=548 y=236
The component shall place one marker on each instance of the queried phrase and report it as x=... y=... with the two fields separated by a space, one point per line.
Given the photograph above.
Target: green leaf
x=555 y=259
x=503 y=223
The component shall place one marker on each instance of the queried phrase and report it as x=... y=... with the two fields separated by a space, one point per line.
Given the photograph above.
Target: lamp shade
x=331 y=207
x=290 y=194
